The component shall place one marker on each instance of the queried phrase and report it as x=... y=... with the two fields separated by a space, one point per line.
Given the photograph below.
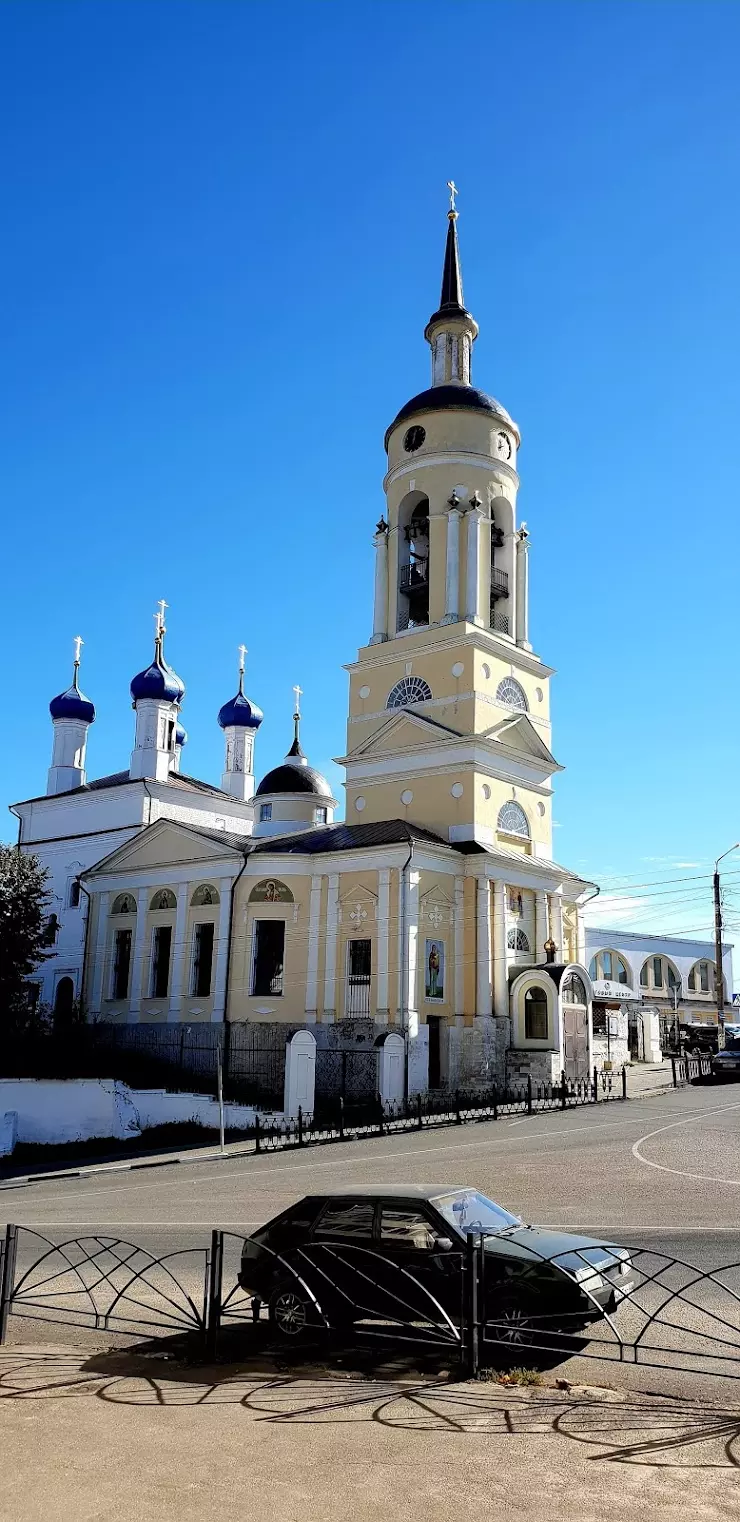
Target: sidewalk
x=644 y=1081
x=128 y=1437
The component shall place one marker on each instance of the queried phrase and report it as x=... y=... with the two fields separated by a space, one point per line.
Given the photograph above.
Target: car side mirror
x=444 y=1244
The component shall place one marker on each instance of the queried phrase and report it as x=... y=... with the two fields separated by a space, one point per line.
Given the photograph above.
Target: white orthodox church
x=435 y=910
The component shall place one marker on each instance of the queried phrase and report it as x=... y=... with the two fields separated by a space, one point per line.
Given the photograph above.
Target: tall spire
x=295 y=753
x=451 y=331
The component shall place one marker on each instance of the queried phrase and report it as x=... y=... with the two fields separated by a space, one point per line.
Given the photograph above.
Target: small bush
x=510 y=1376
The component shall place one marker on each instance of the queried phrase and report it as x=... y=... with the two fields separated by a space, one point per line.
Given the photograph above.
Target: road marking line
x=365 y=1161
x=706 y=1178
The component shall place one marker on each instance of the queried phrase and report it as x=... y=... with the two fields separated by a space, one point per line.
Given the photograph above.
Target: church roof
x=449 y=398
x=122 y=779
x=348 y=837
x=290 y=778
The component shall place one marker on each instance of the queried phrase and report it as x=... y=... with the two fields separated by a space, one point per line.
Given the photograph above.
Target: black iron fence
x=179 y=1057
x=469 y=1305
x=690 y=1069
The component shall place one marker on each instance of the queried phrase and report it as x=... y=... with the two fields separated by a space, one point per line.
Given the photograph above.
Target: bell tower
x=449 y=721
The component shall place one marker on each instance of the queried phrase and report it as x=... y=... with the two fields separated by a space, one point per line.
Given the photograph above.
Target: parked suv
x=398 y=1255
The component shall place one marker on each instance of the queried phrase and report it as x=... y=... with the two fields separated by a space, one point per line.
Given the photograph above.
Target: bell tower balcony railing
x=499 y=584
x=415 y=577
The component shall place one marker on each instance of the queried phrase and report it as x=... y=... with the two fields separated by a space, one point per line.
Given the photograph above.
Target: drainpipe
x=404 y=965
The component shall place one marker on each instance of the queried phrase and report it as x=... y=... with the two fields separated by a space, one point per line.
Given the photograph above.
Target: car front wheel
x=512 y=1322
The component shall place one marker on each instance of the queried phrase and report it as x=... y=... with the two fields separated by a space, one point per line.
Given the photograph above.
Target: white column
x=312 y=968
x=500 y=959
x=384 y=906
x=330 y=970
x=410 y=960
x=452 y=569
x=472 y=610
x=401 y=985
x=380 y=617
x=522 y=593
x=459 y=947
x=556 y=924
x=218 y=1008
x=581 y=938
x=179 y=951
x=483 y=994
x=97 y=990
x=540 y=925
x=137 y=955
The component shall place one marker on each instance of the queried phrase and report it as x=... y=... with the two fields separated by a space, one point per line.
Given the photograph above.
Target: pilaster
x=330 y=969
x=384 y=904
x=312 y=966
x=179 y=951
x=137 y=955
x=483 y=1000
x=218 y=1008
x=500 y=959
x=459 y=947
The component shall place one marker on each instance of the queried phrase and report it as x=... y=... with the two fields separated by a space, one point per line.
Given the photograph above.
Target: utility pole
x=719 y=987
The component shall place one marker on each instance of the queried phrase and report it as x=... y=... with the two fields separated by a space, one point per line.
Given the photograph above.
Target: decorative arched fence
x=668 y=1314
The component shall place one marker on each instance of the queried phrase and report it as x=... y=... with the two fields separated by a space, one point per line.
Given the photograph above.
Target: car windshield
x=469 y=1211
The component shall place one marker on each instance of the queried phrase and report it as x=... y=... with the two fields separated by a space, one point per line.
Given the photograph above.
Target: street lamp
x=719 y=987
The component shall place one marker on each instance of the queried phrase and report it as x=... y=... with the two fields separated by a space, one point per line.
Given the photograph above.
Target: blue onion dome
x=73 y=704
x=240 y=711
x=158 y=680
x=181 y=735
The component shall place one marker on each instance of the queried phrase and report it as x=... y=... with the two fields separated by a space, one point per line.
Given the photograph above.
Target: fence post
x=529 y=1093
x=7 y=1277
x=341 y=1117
x=300 y=1125
x=418 y=1111
x=256 y=1133
x=458 y=1116
x=212 y=1316
x=563 y=1091
x=596 y=1084
x=673 y=1070
x=624 y=1083
x=471 y=1275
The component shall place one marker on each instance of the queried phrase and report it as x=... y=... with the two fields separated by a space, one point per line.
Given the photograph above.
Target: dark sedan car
x=398 y=1255
x=726 y=1064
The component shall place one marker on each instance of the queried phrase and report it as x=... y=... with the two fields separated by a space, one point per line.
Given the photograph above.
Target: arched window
x=203 y=896
x=64 y=998
x=164 y=898
x=701 y=978
x=610 y=966
x=512 y=820
x=659 y=975
x=512 y=694
x=573 y=990
x=516 y=940
x=535 y=1015
x=124 y=904
x=413 y=571
x=410 y=689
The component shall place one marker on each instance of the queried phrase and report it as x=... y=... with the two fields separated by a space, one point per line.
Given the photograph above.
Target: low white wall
x=8 y=1133
x=77 y=1109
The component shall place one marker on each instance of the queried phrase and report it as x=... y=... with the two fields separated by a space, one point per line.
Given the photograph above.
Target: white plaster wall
x=50 y=1111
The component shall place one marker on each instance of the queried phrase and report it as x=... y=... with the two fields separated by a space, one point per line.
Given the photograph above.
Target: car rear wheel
x=290 y=1309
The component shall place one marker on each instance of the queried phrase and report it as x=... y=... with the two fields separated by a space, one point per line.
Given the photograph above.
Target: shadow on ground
x=272 y=1387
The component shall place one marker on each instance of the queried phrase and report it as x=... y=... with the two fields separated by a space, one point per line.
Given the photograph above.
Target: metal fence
x=690 y=1070
x=178 y=1057
x=460 y=1305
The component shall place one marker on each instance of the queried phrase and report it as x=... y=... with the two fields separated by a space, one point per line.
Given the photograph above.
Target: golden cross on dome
x=452 y=187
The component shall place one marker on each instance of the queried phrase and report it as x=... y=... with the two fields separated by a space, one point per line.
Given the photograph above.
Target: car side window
x=346 y=1218
x=406 y=1228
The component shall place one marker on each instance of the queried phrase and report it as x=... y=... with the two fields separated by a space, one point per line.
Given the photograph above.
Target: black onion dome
x=294 y=779
x=451 y=398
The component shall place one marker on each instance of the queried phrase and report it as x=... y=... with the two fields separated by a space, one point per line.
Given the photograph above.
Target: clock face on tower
x=503 y=446
x=414 y=439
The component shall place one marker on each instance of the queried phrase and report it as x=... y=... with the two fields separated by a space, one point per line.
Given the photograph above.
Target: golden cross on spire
x=452 y=187
x=298 y=695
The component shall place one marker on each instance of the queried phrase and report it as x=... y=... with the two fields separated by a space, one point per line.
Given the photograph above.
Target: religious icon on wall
x=434 y=970
x=515 y=902
x=268 y=891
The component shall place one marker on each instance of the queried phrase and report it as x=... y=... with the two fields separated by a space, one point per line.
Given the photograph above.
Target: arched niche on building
x=526 y=1012
x=270 y=890
x=413 y=561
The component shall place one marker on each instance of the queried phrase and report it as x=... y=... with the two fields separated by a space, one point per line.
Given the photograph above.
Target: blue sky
x=223 y=233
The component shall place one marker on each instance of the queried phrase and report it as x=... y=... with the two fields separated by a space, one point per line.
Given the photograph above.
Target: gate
x=575 y=1042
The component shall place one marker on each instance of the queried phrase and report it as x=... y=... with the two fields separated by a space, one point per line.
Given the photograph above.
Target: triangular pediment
x=518 y=733
x=165 y=843
x=405 y=731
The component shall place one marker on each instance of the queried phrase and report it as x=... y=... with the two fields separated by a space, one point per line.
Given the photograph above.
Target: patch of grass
x=171 y=1135
x=518 y=1376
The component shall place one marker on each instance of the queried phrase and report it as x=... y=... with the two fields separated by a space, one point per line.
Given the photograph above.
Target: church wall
x=290 y=1005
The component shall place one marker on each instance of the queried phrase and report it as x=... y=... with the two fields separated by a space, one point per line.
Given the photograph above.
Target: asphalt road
x=660 y=1173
